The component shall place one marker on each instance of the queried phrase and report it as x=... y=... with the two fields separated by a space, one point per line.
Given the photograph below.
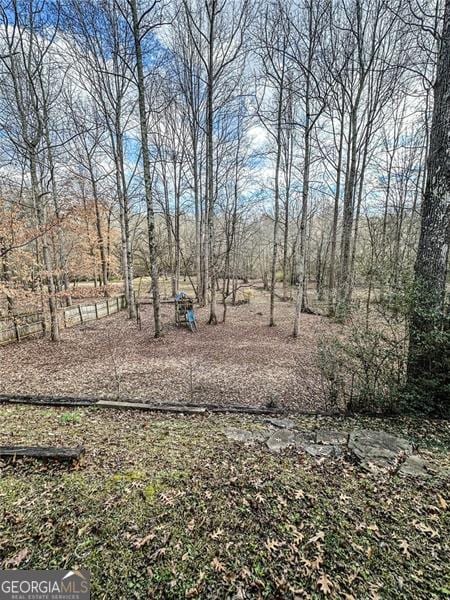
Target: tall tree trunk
x=345 y=275
x=124 y=209
x=146 y=168
x=430 y=270
x=98 y=225
x=337 y=193
x=301 y=287
x=276 y=210
x=210 y=166
x=40 y=217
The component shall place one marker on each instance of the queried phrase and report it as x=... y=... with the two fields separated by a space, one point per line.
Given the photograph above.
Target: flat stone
x=305 y=438
x=281 y=423
x=416 y=466
x=245 y=436
x=376 y=465
x=322 y=450
x=375 y=446
x=332 y=437
x=280 y=440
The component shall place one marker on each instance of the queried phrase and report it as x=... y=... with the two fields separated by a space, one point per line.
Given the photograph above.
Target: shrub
x=364 y=370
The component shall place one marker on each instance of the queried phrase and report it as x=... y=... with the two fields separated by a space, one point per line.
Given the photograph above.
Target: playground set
x=184 y=311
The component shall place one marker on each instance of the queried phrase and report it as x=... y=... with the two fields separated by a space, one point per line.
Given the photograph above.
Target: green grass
x=167 y=507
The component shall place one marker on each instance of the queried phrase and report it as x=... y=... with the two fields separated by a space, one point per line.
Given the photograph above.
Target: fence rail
x=20 y=326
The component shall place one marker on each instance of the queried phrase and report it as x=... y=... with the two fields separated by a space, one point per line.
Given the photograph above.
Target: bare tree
x=431 y=264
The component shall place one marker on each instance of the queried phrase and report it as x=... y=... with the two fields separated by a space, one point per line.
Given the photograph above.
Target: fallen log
x=46 y=400
x=42 y=452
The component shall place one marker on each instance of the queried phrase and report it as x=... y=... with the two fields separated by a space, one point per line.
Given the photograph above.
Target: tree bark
x=146 y=168
x=430 y=270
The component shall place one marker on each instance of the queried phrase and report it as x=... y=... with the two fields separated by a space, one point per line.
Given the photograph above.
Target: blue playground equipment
x=184 y=311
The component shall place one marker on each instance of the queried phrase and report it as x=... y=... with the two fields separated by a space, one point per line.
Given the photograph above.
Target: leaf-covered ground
x=240 y=362
x=168 y=507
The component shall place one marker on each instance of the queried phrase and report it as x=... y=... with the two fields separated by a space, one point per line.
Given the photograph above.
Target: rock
x=376 y=465
x=332 y=437
x=305 y=438
x=378 y=446
x=322 y=450
x=280 y=440
x=416 y=466
x=245 y=436
x=281 y=423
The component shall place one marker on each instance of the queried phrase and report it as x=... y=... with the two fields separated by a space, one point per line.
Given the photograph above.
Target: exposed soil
x=240 y=362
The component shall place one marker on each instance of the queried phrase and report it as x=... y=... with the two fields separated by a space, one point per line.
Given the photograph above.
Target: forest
x=275 y=175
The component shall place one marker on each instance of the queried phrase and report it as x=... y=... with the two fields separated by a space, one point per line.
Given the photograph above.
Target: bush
x=365 y=370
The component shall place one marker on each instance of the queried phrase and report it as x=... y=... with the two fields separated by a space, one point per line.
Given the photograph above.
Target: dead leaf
x=325 y=584
x=142 y=541
x=217 y=534
x=217 y=565
x=442 y=503
x=405 y=548
x=16 y=560
x=272 y=545
x=319 y=537
x=317 y=562
x=423 y=528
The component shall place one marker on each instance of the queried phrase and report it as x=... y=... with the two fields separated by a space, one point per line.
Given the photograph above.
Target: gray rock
x=280 y=440
x=245 y=436
x=416 y=466
x=378 y=446
x=305 y=438
x=332 y=437
x=376 y=465
x=281 y=423
x=322 y=450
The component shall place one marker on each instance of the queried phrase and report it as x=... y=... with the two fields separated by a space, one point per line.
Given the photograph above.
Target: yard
x=169 y=507
x=240 y=362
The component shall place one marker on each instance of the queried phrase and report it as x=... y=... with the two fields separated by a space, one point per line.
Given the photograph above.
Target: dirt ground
x=240 y=362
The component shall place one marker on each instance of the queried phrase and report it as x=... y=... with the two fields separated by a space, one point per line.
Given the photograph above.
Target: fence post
x=16 y=329
x=107 y=306
x=80 y=313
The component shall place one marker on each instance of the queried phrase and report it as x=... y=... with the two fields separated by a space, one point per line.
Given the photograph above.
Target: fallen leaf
x=320 y=536
x=16 y=560
x=325 y=584
x=405 y=548
x=442 y=503
x=217 y=565
x=217 y=534
x=272 y=545
x=142 y=541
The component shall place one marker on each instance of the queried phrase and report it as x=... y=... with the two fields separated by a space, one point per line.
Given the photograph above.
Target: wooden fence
x=20 y=326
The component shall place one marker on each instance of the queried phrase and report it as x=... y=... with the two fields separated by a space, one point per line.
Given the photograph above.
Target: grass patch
x=166 y=507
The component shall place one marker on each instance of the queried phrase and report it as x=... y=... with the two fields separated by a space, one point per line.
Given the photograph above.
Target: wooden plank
x=150 y=407
x=42 y=452
x=125 y=405
x=150 y=302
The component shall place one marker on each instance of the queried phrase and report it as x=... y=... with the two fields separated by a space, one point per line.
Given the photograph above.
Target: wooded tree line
x=294 y=142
